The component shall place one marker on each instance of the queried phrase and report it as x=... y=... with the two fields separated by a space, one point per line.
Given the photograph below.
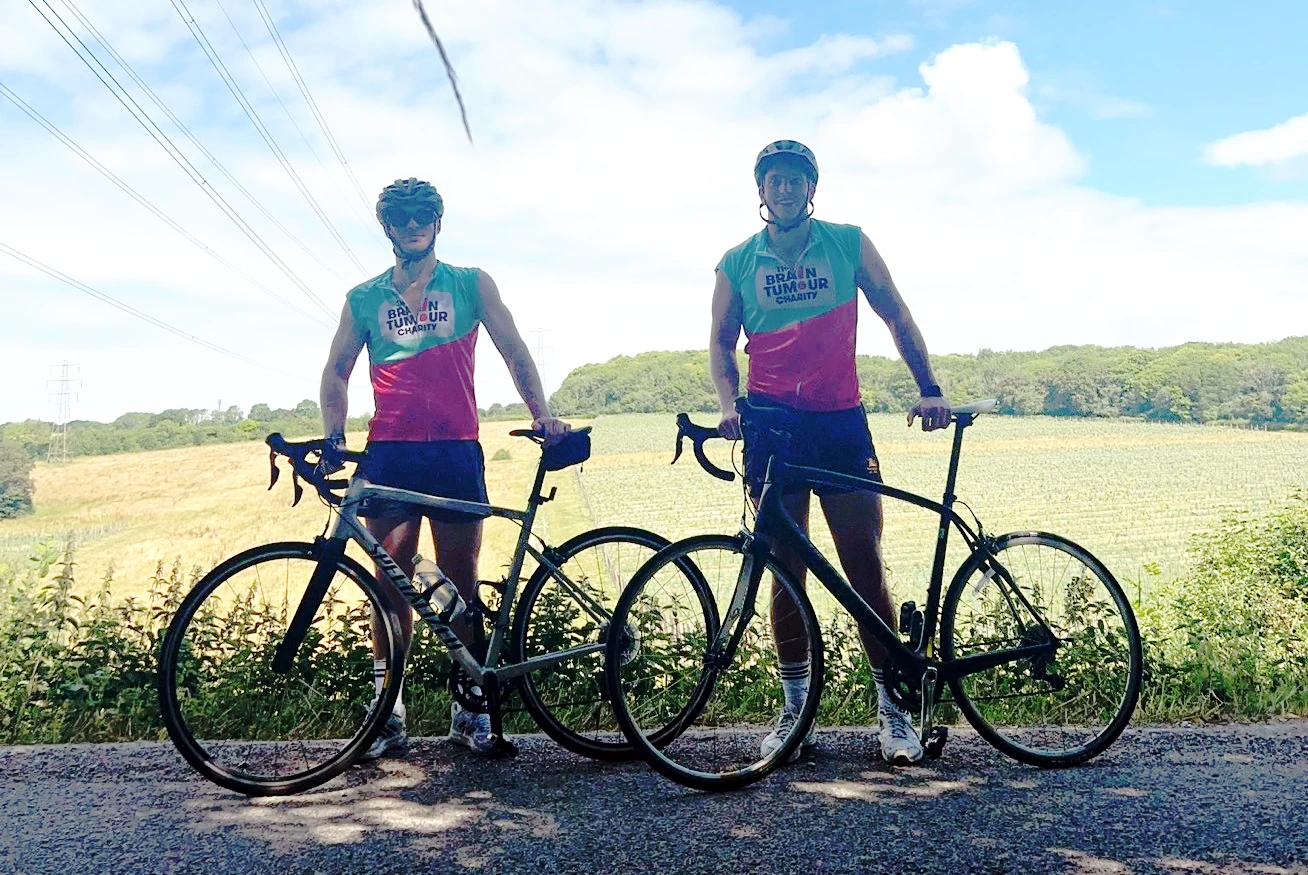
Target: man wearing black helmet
x=793 y=289
x=419 y=321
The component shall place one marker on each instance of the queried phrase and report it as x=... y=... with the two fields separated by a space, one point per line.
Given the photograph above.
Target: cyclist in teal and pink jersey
x=793 y=288
x=420 y=321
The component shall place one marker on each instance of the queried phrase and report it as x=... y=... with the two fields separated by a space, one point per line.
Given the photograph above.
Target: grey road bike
x=1033 y=637
x=266 y=679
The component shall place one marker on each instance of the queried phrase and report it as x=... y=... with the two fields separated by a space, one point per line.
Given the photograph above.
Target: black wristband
x=932 y=391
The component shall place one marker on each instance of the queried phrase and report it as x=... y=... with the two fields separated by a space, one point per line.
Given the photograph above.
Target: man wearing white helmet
x=793 y=289
x=420 y=321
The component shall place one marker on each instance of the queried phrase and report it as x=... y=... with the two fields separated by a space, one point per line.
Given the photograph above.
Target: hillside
x=1262 y=385
x=1132 y=492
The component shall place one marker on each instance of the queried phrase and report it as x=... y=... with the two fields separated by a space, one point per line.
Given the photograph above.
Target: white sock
x=794 y=683
x=883 y=699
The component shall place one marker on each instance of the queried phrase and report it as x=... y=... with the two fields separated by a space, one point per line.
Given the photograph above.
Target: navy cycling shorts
x=449 y=469
x=836 y=441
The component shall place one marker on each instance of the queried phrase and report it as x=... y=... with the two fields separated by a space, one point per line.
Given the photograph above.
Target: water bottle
x=437 y=589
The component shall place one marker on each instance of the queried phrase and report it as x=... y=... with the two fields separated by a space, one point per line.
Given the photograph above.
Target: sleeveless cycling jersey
x=421 y=366
x=800 y=317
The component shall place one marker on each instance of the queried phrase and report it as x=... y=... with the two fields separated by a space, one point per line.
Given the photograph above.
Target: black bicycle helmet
x=410 y=194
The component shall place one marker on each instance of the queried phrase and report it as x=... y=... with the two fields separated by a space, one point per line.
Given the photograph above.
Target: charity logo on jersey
x=399 y=325
x=805 y=285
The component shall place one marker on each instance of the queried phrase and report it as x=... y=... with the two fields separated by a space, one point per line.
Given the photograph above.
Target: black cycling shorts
x=836 y=441
x=449 y=469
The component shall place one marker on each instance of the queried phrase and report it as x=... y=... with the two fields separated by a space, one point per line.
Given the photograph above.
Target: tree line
x=1260 y=385
x=22 y=443
x=176 y=427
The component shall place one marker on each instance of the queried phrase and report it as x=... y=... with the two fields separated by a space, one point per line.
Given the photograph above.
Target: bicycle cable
x=748 y=513
x=975 y=519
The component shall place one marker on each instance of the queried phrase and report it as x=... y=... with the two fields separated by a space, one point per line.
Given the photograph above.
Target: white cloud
x=611 y=169
x=1275 y=145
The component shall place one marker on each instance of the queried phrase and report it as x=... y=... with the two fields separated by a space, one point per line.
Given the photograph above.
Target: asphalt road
x=1212 y=800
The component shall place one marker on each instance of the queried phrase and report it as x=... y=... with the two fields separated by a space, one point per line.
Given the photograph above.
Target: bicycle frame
x=347 y=526
x=773 y=525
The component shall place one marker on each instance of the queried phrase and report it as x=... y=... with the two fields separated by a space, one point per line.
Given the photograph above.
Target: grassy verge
x=1229 y=641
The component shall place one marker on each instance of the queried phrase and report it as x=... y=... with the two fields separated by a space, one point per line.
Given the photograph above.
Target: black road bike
x=1034 y=639
x=266 y=670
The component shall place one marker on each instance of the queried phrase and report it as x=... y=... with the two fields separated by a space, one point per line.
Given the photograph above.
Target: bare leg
x=458 y=546
x=399 y=535
x=787 y=627
x=855 y=522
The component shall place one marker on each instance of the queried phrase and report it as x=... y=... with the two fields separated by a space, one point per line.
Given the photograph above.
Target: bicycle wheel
x=696 y=709
x=572 y=608
x=1068 y=703
x=247 y=727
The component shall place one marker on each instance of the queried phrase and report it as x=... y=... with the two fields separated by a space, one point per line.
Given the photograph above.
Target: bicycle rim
x=1069 y=702
x=714 y=714
x=257 y=731
x=568 y=700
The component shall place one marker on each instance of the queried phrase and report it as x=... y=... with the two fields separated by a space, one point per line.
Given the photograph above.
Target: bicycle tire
x=1047 y=712
x=259 y=732
x=709 y=705
x=569 y=701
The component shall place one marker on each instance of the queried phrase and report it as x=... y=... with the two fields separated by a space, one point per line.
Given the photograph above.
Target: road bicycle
x=1034 y=639
x=266 y=678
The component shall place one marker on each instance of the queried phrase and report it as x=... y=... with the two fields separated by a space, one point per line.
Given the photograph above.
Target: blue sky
x=1140 y=87
x=1034 y=174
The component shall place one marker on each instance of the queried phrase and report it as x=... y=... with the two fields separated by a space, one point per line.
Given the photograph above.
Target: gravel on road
x=1188 y=800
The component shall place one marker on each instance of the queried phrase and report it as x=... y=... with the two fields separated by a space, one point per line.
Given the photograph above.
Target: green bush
x=1231 y=639
x=1228 y=642
x=75 y=668
x=15 y=481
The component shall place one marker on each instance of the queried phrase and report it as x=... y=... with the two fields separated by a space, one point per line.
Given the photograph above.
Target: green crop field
x=1131 y=492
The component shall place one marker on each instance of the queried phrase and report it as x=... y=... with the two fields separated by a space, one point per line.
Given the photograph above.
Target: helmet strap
x=767 y=217
x=409 y=258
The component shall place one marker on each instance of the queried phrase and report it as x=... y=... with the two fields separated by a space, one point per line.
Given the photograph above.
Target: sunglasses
x=397 y=217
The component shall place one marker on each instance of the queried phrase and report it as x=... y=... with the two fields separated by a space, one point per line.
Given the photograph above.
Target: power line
x=285 y=109
x=155 y=99
x=143 y=201
x=139 y=314
x=308 y=98
x=212 y=54
x=173 y=152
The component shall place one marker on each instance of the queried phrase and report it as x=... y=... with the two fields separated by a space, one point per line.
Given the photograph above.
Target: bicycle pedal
x=504 y=749
x=935 y=743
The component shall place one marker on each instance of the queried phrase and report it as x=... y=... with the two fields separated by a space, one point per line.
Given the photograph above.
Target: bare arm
x=874 y=279
x=727 y=323
x=504 y=334
x=334 y=393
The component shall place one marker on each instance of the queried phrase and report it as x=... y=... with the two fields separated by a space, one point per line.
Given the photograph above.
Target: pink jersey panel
x=808 y=365
x=428 y=396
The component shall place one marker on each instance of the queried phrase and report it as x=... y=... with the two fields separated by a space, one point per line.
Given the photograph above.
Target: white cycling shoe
x=774 y=739
x=900 y=745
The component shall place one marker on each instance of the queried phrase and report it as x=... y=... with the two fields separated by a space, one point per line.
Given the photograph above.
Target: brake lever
x=698 y=435
x=682 y=421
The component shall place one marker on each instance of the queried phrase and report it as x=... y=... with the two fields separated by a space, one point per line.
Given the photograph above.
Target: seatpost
x=962 y=422
x=942 y=535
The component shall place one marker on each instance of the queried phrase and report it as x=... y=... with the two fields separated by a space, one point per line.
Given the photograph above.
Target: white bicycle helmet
x=772 y=152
